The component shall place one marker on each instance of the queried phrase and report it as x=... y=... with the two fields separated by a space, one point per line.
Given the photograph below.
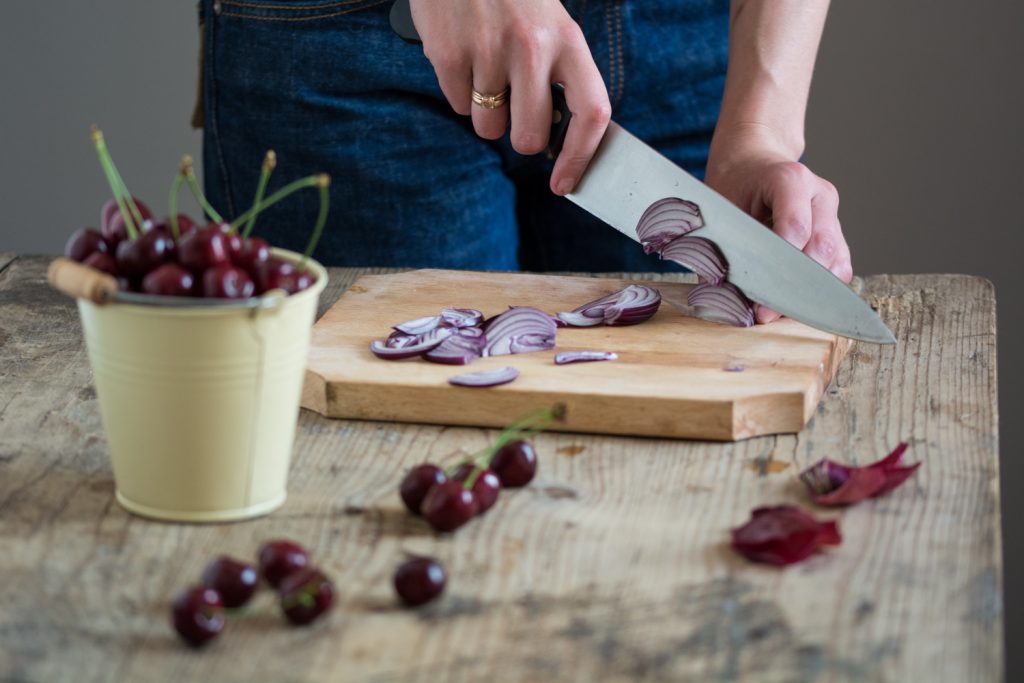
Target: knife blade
x=626 y=176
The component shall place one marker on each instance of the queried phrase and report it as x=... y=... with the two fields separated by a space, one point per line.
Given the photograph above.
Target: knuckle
x=598 y=113
x=530 y=38
x=570 y=33
x=794 y=229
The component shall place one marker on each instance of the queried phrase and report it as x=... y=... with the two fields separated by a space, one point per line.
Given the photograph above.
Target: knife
x=626 y=176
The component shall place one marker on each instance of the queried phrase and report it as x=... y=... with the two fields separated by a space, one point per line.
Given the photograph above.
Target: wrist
x=746 y=142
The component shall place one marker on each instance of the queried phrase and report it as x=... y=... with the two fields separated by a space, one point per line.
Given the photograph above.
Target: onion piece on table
x=567 y=357
x=665 y=220
x=783 y=534
x=722 y=303
x=425 y=342
x=461 y=317
x=629 y=306
x=699 y=255
x=419 y=325
x=485 y=378
x=520 y=330
x=461 y=348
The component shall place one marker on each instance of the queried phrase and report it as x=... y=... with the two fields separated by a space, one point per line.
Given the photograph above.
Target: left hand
x=801 y=207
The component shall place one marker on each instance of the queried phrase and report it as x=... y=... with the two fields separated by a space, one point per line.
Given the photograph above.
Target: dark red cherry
x=170 y=279
x=198 y=615
x=419 y=581
x=203 y=249
x=280 y=558
x=101 y=260
x=448 y=506
x=485 y=488
x=305 y=595
x=236 y=581
x=515 y=463
x=136 y=258
x=232 y=240
x=185 y=225
x=227 y=282
x=253 y=252
x=417 y=484
x=84 y=242
x=107 y=212
x=114 y=230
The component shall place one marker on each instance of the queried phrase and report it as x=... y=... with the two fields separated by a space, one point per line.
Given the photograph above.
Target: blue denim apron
x=329 y=87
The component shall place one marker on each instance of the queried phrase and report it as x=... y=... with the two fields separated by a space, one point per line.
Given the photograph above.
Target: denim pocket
x=290 y=10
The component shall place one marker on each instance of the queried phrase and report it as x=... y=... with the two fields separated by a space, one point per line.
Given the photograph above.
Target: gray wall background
x=916 y=115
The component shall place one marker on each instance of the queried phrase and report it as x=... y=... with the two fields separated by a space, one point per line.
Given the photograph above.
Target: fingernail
x=565 y=186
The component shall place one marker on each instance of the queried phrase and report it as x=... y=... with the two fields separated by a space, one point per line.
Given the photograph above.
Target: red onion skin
x=833 y=484
x=783 y=535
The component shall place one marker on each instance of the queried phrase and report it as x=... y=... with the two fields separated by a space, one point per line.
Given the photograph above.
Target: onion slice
x=583 y=356
x=461 y=348
x=665 y=220
x=425 y=342
x=629 y=306
x=461 y=317
x=419 y=325
x=699 y=255
x=722 y=303
x=520 y=330
x=485 y=378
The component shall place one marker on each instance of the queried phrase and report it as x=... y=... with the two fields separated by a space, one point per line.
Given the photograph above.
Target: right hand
x=490 y=44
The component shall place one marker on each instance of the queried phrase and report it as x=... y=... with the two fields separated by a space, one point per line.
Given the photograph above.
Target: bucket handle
x=81 y=282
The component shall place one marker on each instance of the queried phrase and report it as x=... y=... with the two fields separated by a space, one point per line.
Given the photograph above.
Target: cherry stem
x=324 y=183
x=308 y=181
x=113 y=180
x=269 y=162
x=532 y=423
x=172 y=201
x=193 y=184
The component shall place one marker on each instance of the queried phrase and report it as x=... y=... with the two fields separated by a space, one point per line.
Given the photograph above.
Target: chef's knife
x=626 y=176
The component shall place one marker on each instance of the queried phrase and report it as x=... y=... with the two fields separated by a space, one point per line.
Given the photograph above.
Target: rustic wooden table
x=612 y=566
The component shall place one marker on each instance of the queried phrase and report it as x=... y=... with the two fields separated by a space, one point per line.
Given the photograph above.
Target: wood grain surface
x=612 y=566
x=672 y=376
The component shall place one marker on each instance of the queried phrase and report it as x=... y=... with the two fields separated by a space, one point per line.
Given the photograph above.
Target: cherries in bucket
x=179 y=257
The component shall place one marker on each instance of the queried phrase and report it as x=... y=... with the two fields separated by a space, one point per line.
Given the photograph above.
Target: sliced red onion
x=699 y=255
x=461 y=317
x=485 y=378
x=665 y=220
x=520 y=330
x=425 y=342
x=419 y=325
x=629 y=306
x=583 y=356
x=399 y=340
x=722 y=303
x=461 y=348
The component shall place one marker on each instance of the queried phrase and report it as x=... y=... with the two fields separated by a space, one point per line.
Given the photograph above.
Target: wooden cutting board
x=676 y=376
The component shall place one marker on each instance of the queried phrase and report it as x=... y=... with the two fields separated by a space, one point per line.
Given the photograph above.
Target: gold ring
x=491 y=101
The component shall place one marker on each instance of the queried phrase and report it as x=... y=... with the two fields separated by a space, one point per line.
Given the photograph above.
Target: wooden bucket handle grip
x=81 y=282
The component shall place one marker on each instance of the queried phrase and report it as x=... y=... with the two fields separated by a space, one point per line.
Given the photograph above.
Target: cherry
x=417 y=483
x=253 y=252
x=277 y=273
x=227 y=282
x=84 y=242
x=202 y=249
x=198 y=615
x=515 y=463
x=101 y=260
x=232 y=240
x=125 y=285
x=137 y=257
x=185 y=225
x=305 y=595
x=280 y=558
x=170 y=279
x=235 y=581
x=448 y=506
x=114 y=230
x=419 y=581
x=107 y=212
x=485 y=488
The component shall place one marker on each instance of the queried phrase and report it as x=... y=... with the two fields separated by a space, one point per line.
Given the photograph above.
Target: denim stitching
x=267 y=5
x=212 y=107
x=309 y=17
x=608 y=30
x=621 y=80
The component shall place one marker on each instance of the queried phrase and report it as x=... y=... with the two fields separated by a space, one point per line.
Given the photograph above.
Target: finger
x=587 y=99
x=789 y=198
x=455 y=80
x=530 y=106
x=842 y=267
x=763 y=314
x=826 y=235
x=489 y=79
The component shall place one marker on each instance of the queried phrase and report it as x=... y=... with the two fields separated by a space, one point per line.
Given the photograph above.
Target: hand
x=490 y=44
x=758 y=176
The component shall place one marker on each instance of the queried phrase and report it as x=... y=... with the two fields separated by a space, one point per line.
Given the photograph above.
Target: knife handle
x=402 y=24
